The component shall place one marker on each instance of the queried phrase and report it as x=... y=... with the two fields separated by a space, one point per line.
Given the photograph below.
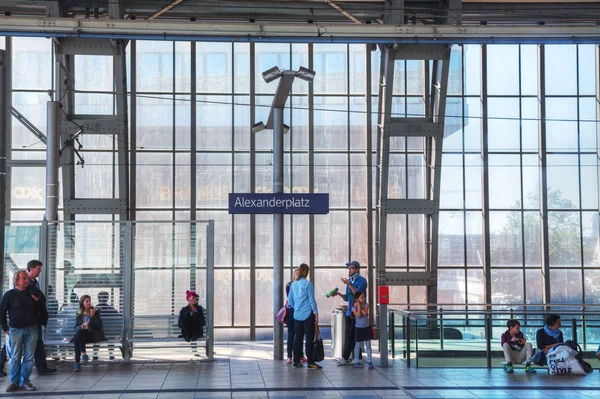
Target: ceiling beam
x=163 y=10
x=340 y=9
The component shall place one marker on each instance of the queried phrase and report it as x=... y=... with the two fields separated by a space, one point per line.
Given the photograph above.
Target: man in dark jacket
x=22 y=308
x=34 y=269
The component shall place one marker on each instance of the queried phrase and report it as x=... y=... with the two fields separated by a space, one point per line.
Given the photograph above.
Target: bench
x=161 y=332
x=59 y=334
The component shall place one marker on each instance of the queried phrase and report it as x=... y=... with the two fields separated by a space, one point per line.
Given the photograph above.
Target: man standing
x=22 y=308
x=354 y=282
x=34 y=269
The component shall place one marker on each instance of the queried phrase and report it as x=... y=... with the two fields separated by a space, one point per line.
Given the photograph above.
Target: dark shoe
x=314 y=366
x=28 y=386
x=2 y=373
x=46 y=371
x=297 y=365
x=12 y=388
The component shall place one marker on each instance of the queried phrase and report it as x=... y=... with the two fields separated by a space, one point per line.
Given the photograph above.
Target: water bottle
x=332 y=292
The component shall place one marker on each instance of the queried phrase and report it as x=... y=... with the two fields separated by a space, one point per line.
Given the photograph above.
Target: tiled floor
x=245 y=370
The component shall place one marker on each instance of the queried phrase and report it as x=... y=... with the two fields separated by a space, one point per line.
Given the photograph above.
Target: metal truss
x=431 y=129
x=72 y=124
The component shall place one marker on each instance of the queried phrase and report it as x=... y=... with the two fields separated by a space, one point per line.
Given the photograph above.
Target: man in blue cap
x=354 y=282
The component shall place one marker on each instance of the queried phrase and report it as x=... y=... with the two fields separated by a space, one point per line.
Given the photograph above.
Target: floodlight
x=257 y=127
x=306 y=74
x=271 y=74
x=286 y=128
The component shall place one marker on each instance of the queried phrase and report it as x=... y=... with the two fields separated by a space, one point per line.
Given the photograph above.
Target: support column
x=277 y=232
x=3 y=152
x=52 y=160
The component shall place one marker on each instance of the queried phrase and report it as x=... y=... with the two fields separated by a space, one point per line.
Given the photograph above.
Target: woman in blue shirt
x=306 y=315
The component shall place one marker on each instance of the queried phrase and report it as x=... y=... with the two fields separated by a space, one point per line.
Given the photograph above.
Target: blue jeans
x=22 y=343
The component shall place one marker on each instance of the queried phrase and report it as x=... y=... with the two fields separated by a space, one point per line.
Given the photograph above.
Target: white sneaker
x=343 y=362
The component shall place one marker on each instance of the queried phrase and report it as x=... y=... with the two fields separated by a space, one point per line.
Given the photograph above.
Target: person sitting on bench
x=191 y=318
x=515 y=347
x=547 y=337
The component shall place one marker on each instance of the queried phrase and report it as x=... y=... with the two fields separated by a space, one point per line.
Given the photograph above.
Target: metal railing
x=438 y=335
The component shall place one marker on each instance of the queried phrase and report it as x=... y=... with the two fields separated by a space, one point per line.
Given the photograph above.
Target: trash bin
x=338 y=331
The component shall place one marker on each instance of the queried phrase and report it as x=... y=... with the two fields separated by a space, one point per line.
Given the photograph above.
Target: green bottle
x=332 y=292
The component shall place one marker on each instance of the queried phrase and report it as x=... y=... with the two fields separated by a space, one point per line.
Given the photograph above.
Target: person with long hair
x=306 y=316
x=88 y=329
x=291 y=323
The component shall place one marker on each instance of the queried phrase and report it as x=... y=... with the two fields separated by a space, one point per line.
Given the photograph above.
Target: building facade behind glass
x=326 y=150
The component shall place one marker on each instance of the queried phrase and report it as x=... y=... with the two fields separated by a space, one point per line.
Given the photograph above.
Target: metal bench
x=161 y=332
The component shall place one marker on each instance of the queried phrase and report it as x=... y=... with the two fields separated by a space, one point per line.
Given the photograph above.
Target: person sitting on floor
x=191 y=318
x=515 y=347
x=547 y=337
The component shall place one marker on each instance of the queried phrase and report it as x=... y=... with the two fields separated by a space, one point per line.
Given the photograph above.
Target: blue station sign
x=293 y=203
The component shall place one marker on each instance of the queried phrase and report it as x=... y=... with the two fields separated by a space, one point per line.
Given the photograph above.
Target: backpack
x=566 y=358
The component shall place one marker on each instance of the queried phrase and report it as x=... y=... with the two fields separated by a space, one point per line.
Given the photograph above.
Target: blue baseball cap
x=353 y=263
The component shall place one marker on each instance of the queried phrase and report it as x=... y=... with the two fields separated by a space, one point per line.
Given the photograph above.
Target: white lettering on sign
x=242 y=202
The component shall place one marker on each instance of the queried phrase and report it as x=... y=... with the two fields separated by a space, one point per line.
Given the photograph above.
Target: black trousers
x=304 y=327
x=349 y=338
x=291 y=329
x=39 y=355
x=81 y=338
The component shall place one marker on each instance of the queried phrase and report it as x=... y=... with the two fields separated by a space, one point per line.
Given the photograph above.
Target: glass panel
x=533 y=288
x=507 y=286
x=451 y=193
x=31 y=63
x=474 y=238
x=472 y=128
x=415 y=77
x=214 y=179
x=154 y=66
x=183 y=67
x=587 y=69
x=299 y=132
x=183 y=128
x=588 y=131
x=533 y=245
x=331 y=123
x=95 y=180
x=453 y=138
x=213 y=67
x=357 y=72
x=591 y=239
x=561 y=125
x=503 y=69
x=531 y=181
x=589 y=181
x=529 y=70
x=395 y=248
x=416 y=240
x=358 y=179
x=331 y=239
x=359 y=247
x=504 y=181
x=455 y=77
x=94 y=73
x=592 y=289
x=566 y=286
x=505 y=239
x=331 y=176
x=472 y=69
x=530 y=124
x=451 y=245
x=154 y=123
x=561 y=61
x=452 y=286
x=154 y=180
x=330 y=66
x=564 y=238
x=214 y=119
x=241 y=67
x=397 y=176
x=241 y=245
x=563 y=184
x=416 y=176
x=503 y=124
x=473 y=175
x=358 y=122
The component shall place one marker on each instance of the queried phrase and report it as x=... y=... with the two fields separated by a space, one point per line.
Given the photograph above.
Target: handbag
x=318 y=350
x=282 y=315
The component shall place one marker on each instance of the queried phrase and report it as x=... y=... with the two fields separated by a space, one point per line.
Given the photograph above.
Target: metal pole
x=574 y=328
x=441 y=329
x=393 y=334
x=383 y=335
x=3 y=150
x=52 y=161
x=407 y=340
x=488 y=340
x=277 y=232
x=210 y=288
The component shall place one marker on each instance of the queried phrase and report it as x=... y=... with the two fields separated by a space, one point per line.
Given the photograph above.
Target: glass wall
x=325 y=151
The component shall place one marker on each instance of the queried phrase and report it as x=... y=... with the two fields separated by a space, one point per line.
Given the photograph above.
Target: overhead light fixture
x=271 y=74
x=286 y=128
x=306 y=74
x=257 y=127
